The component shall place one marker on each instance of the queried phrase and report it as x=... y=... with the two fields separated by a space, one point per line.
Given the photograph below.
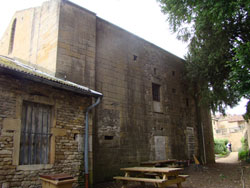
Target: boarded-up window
x=156 y=91
x=190 y=142
x=35 y=134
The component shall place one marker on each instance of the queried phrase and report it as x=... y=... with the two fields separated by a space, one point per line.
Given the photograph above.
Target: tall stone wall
x=131 y=127
x=76 y=45
x=67 y=130
x=72 y=43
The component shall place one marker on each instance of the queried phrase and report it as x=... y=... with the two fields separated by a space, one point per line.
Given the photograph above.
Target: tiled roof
x=16 y=67
x=235 y=118
x=229 y=118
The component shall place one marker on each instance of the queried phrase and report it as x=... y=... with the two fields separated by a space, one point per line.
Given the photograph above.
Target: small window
x=108 y=137
x=218 y=131
x=154 y=70
x=173 y=73
x=187 y=102
x=135 y=57
x=12 y=36
x=173 y=90
x=156 y=91
x=35 y=134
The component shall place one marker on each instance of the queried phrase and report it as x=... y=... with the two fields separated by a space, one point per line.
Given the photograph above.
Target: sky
x=141 y=17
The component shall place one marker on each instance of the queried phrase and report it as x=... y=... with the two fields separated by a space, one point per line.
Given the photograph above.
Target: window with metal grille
x=35 y=134
x=156 y=91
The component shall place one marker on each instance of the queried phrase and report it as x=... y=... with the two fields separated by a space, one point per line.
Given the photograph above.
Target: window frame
x=156 y=92
x=35 y=135
x=17 y=131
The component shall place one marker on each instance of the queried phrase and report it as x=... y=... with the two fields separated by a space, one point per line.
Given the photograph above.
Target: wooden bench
x=183 y=176
x=146 y=180
x=156 y=182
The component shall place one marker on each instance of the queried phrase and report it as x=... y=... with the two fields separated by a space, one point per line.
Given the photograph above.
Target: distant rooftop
x=229 y=118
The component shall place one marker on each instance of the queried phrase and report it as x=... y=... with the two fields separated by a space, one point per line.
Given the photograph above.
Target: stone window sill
x=35 y=167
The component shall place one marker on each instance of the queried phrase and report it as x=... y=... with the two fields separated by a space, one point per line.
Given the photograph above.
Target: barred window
x=156 y=91
x=35 y=134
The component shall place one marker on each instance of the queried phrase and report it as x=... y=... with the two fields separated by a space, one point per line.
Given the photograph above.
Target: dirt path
x=232 y=158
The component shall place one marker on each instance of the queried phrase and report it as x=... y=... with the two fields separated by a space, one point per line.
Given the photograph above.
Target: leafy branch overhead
x=218 y=60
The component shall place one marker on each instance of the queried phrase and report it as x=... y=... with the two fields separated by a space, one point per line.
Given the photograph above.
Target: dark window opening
x=173 y=90
x=35 y=134
x=134 y=57
x=154 y=70
x=156 y=92
x=108 y=137
x=173 y=73
x=187 y=102
x=12 y=36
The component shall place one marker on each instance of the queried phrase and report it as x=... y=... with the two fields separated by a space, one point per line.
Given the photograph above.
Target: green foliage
x=219 y=48
x=244 y=143
x=243 y=153
x=220 y=146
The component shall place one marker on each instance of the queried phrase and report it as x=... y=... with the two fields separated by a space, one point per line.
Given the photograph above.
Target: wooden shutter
x=35 y=134
x=190 y=141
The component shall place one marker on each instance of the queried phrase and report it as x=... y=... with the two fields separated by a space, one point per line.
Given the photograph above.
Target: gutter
x=86 y=143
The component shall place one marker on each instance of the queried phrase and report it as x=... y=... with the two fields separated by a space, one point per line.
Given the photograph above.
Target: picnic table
x=158 y=163
x=160 y=177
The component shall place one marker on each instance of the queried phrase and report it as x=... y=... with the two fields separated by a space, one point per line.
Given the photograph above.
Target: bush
x=243 y=153
x=220 y=146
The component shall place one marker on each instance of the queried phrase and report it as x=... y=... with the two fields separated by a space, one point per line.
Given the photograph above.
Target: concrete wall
x=68 y=126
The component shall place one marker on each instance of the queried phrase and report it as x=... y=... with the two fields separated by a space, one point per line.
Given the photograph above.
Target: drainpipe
x=86 y=149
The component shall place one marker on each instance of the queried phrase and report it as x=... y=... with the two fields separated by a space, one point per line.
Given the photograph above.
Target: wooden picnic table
x=160 y=177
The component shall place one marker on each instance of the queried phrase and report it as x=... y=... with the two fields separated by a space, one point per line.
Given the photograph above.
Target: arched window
x=12 y=36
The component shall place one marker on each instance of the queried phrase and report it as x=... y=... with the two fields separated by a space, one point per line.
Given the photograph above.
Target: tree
x=218 y=59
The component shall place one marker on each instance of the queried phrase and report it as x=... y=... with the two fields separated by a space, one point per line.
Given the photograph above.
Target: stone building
x=41 y=124
x=146 y=113
x=231 y=127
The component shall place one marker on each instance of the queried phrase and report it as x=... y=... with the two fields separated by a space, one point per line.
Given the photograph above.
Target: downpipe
x=86 y=143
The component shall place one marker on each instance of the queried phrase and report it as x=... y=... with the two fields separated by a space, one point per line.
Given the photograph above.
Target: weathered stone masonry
x=68 y=121
x=129 y=127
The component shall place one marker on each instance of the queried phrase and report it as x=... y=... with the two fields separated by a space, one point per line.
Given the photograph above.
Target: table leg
x=143 y=184
x=124 y=184
x=179 y=185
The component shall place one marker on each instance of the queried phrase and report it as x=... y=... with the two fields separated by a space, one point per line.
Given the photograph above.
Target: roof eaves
x=28 y=72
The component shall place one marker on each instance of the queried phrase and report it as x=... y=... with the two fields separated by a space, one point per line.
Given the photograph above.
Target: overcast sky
x=141 y=17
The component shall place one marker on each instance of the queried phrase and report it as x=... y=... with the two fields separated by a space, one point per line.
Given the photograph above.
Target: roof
x=14 y=67
x=236 y=118
x=229 y=118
